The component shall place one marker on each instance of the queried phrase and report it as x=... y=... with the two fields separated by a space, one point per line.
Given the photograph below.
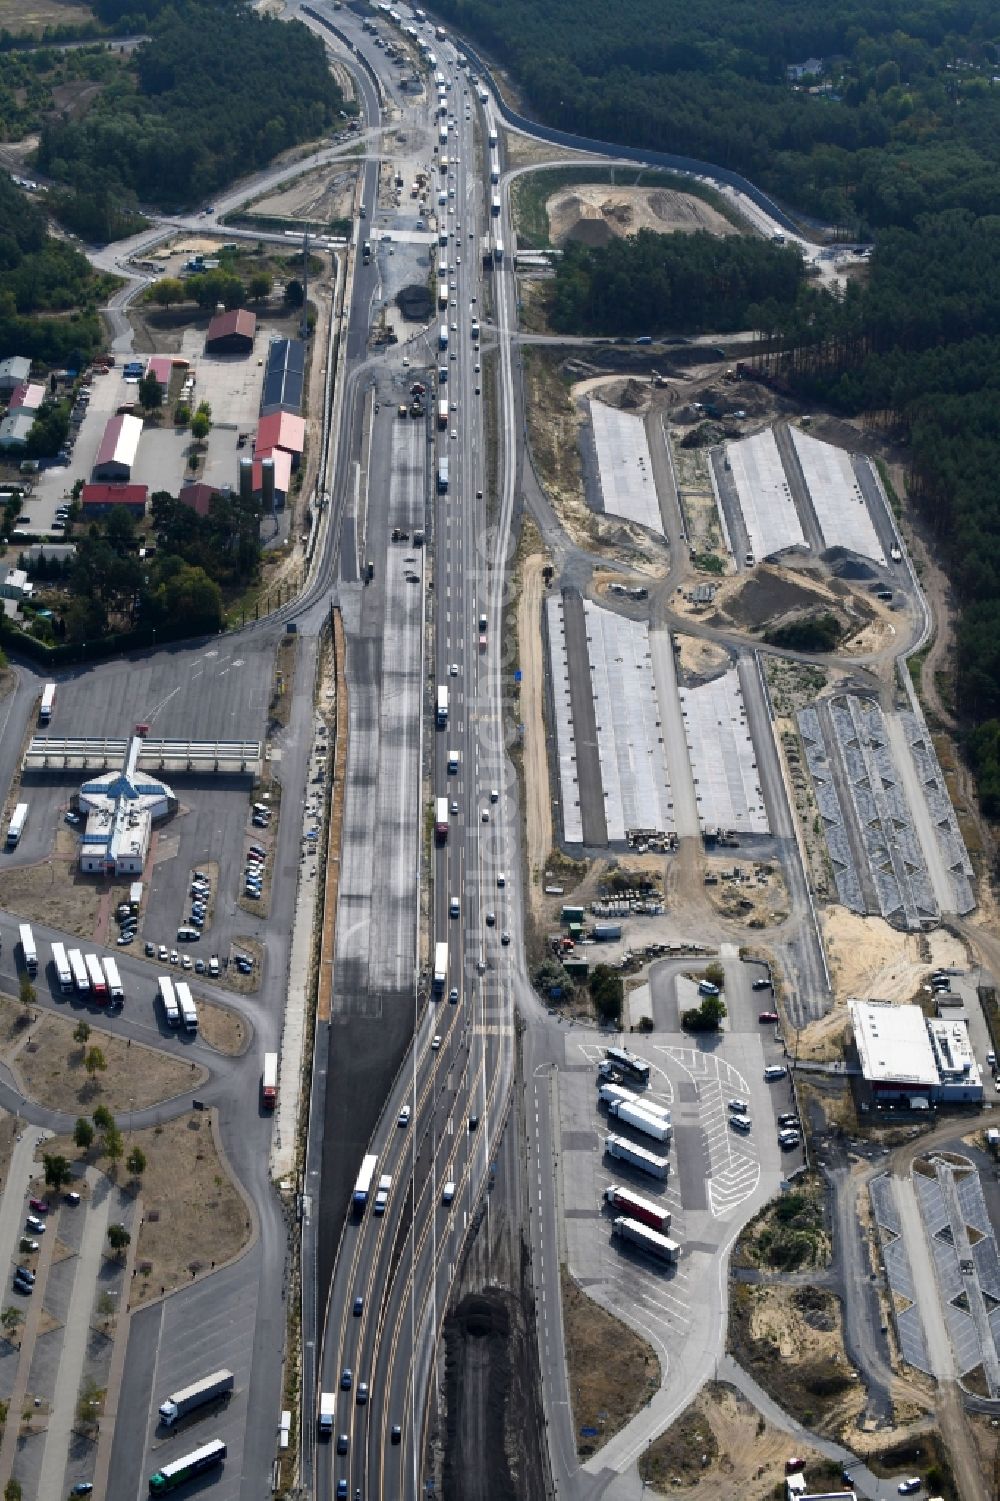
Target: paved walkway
x=62 y=1416
x=13 y=1202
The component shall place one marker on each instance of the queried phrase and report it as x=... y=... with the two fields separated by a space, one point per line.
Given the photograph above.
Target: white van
x=453 y=760
x=447 y=1193
x=188 y=935
x=382 y=1194
x=775 y=1071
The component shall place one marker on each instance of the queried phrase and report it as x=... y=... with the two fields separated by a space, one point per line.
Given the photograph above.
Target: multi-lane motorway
x=393 y=1271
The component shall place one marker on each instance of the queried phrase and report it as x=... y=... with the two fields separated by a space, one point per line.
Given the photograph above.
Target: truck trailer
x=440 y=967
x=15 y=828
x=617 y=1094
x=81 y=980
x=442 y=706
x=116 y=990
x=646 y=1239
x=269 y=1081
x=634 y=1207
x=28 y=950
x=48 y=702
x=61 y=964
x=185 y=1000
x=327 y=1413
x=443 y=409
x=637 y=1157
x=440 y=819
x=442 y=482
x=641 y=1120
x=177 y=1406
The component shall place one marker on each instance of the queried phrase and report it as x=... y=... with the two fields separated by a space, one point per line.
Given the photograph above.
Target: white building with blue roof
x=120 y=809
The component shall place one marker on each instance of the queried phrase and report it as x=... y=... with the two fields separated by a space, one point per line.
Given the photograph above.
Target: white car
x=453 y=670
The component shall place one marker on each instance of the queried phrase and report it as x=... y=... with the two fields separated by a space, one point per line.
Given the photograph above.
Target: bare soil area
x=747 y=891
x=538 y=822
x=554 y=430
x=791 y=1339
x=612 y=1372
x=222 y=1028
x=323 y=195
x=869 y=958
x=51 y=1063
x=699 y=659
x=193 y=1216
x=32 y=16
x=721 y=1449
x=598 y=213
x=55 y=893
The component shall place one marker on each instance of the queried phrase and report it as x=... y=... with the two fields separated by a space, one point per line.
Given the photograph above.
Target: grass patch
x=789 y=1234
x=890 y=489
x=51 y=1063
x=612 y=1371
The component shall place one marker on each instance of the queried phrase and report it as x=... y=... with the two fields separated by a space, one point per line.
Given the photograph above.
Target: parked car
x=40 y=1206
x=768 y=1016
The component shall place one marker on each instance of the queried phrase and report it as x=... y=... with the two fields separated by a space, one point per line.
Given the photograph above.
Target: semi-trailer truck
x=495 y=206
x=631 y=1114
x=327 y=1413
x=177 y=1406
x=116 y=990
x=15 y=828
x=443 y=412
x=646 y=1239
x=630 y=1064
x=364 y=1182
x=61 y=964
x=635 y=1207
x=188 y=1009
x=442 y=476
x=441 y=819
x=440 y=967
x=609 y=1092
x=442 y=706
x=443 y=336
x=81 y=979
x=180 y=1471
x=28 y=950
x=637 y=1157
x=95 y=974
x=269 y=1081
x=48 y=702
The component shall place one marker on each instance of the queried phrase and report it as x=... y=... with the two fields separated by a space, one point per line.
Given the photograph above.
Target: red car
x=39 y=1206
x=794 y=1465
x=768 y=1016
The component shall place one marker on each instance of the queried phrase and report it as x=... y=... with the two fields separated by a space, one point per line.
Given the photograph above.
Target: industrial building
x=231 y=333
x=27 y=397
x=14 y=371
x=120 y=808
x=282 y=430
x=162 y=366
x=98 y=500
x=909 y=1059
x=14 y=430
x=118 y=449
x=284 y=377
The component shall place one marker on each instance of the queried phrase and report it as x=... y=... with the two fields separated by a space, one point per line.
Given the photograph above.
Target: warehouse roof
x=121 y=441
x=892 y=1043
x=14 y=429
x=282 y=430
x=27 y=397
x=225 y=325
x=114 y=495
x=197 y=496
x=15 y=368
x=284 y=376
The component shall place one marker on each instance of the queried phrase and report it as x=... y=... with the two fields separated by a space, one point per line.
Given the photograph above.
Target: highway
x=456 y=1077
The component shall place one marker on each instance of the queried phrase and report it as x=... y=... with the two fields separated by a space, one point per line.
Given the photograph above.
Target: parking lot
x=718 y=1177
x=68 y=1301
x=219 y=692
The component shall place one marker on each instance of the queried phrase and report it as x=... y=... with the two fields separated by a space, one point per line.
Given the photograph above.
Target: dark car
x=768 y=1016
x=761 y=985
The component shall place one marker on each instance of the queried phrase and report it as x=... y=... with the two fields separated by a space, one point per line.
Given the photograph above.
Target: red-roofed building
x=231 y=333
x=118 y=449
x=282 y=430
x=198 y=497
x=162 y=366
x=98 y=500
x=27 y=397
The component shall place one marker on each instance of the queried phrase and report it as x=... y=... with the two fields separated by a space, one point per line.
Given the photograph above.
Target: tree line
x=41 y=276
x=906 y=121
x=682 y=283
x=216 y=92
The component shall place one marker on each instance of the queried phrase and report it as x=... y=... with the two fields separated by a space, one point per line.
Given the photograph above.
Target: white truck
x=637 y=1157
x=116 y=990
x=327 y=1413
x=177 y=1406
x=188 y=1009
x=28 y=949
x=651 y=1241
x=15 y=828
x=641 y=1120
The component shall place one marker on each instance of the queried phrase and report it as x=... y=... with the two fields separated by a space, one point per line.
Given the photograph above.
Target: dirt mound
x=414 y=302
x=849 y=567
x=594 y=213
x=765 y=598
x=592 y=232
